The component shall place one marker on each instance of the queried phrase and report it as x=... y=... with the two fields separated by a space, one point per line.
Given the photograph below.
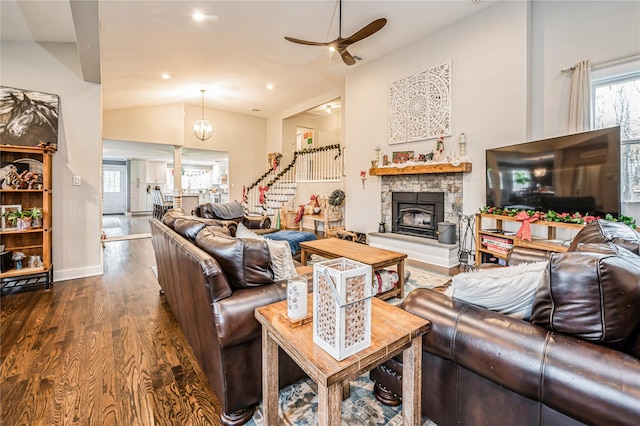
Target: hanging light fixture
x=328 y=110
x=202 y=128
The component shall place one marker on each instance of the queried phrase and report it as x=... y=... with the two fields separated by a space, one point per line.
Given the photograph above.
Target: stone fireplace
x=441 y=187
x=417 y=213
x=424 y=189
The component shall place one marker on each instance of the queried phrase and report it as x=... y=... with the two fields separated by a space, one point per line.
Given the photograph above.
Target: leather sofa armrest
x=234 y=316
x=565 y=373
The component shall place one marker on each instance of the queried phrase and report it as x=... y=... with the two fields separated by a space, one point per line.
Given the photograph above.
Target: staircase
x=279 y=185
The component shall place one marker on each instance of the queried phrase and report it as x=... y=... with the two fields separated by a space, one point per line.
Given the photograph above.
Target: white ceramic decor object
x=297 y=297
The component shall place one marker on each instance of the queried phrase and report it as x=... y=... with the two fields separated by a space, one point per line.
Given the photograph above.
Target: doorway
x=114 y=192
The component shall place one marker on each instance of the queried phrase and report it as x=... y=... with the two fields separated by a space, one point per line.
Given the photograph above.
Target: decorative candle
x=462 y=140
x=297 y=297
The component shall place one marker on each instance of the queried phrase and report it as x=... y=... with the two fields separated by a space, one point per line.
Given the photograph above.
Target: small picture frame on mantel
x=400 y=157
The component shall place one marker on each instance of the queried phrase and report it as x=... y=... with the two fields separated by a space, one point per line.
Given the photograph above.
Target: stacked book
x=497 y=244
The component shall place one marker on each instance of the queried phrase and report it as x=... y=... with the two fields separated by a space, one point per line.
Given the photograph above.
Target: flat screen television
x=566 y=174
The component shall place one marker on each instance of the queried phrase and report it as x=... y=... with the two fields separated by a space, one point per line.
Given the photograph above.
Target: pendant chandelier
x=202 y=128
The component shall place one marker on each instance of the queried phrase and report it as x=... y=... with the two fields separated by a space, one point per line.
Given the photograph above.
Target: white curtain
x=580 y=98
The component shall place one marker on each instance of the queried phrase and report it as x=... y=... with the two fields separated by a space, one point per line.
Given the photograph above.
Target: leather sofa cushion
x=245 y=262
x=171 y=215
x=605 y=231
x=190 y=226
x=592 y=294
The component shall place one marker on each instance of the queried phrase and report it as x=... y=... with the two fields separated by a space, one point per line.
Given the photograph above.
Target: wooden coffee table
x=393 y=330
x=377 y=258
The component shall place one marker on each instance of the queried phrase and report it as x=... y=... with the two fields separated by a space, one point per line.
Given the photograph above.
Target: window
x=616 y=101
x=111 y=181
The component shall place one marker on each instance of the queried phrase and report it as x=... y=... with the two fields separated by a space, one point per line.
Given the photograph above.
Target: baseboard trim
x=72 y=274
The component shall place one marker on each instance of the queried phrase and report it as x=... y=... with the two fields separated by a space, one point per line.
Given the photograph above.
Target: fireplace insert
x=417 y=213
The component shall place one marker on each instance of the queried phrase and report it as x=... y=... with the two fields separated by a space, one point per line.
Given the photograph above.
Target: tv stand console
x=501 y=250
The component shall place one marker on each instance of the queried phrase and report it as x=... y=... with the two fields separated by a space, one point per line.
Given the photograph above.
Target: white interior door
x=114 y=195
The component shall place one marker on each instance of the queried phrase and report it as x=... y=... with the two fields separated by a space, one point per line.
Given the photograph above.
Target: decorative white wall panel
x=420 y=106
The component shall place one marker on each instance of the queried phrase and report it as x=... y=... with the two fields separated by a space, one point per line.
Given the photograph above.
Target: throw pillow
x=593 y=295
x=244 y=232
x=510 y=290
x=281 y=259
x=384 y=280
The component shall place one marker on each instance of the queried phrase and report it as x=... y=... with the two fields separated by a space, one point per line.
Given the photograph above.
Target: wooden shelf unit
x=32 y=241
x=535 y=243
x=421 y=169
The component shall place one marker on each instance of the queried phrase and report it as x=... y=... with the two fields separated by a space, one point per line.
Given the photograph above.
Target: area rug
x=421 y=278
x=298 y=406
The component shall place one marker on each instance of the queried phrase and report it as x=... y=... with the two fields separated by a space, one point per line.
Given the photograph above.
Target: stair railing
x=275 y=188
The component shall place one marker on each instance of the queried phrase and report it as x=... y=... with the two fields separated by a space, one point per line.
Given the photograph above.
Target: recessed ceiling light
x=166 y=76
x=198 y=16
x=269 y=86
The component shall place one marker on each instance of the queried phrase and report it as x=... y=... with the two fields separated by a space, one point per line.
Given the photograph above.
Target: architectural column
x=177 y=176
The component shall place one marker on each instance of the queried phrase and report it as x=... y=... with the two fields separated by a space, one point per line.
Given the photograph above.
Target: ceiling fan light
x=202 y=129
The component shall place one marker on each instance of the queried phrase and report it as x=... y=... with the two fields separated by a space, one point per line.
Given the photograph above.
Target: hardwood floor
x=117 y=225
x=100 y=351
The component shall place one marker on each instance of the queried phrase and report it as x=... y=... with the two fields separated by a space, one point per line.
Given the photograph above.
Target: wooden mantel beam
x=420 y=169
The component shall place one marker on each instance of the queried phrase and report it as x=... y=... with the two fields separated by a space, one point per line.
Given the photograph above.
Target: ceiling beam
x=86 y=20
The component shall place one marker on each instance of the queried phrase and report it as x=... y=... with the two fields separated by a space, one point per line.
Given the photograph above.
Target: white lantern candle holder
x=342 y=292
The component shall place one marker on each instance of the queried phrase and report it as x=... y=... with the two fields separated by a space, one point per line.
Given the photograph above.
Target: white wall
x=327 y=131
x=243 y=136
x=565 y=33
x=488 y=52
x=162 y=124
x=276 y=140
x=55 y=68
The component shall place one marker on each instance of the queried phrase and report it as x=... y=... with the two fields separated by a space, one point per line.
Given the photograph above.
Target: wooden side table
x=393 y=331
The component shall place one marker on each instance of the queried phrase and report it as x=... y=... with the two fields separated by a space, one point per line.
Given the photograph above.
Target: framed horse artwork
x=29 y=118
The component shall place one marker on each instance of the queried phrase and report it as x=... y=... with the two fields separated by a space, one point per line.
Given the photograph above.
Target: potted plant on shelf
x=19 y=218
x=36 y=217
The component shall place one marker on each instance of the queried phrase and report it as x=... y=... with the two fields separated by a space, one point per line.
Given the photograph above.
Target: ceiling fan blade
x=365 y=31
x=346 y=57
x=308 y=43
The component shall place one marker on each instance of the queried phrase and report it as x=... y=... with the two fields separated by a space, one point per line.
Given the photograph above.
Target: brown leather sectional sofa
x=213 y=283
x=576 y=362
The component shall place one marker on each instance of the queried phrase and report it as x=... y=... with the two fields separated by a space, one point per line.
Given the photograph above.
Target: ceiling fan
x=340 y=44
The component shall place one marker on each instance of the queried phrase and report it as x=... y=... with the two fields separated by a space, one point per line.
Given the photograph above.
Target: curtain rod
x=621 y=58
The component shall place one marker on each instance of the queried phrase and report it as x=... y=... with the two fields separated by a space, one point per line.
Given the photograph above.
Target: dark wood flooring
x=102 y=350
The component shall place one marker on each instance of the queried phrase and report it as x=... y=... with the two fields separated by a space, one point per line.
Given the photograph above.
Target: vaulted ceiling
x=234 y=53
